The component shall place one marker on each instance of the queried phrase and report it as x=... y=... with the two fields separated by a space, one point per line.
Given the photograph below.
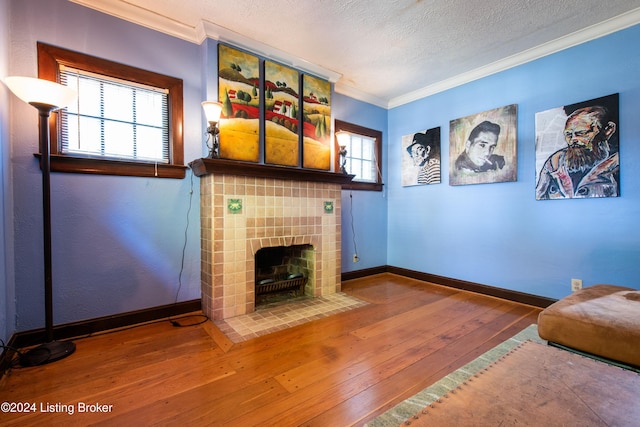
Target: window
x=364 y=154
x=126 y=121
x=113 y=119
x=360 y=160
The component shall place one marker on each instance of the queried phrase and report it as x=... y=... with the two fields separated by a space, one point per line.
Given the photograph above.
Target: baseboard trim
x=100 y=324
x=364 y=273
x=516 y=296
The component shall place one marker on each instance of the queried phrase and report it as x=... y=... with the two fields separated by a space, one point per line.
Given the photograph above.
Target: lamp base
x=47 y=353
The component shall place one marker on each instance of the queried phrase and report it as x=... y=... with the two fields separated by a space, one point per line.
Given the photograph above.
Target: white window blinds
x=114 y=119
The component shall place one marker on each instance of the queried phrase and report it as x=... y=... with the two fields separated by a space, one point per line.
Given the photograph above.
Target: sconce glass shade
x=343 y=138
x=41 y=92
x=212 y=111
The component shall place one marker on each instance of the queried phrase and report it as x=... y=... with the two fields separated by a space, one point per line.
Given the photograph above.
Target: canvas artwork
x=316 y=118
x=238 y=91
x=282 y=105
x=483 y=147
x=577 y=150
x=421 y=157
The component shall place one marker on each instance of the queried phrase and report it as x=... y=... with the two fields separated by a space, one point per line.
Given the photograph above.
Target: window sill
x=365 y=186
x=71 y=164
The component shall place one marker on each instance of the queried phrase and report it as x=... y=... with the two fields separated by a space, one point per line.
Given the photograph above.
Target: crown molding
x=593 y=32
x=143 y=17
x=360 y=95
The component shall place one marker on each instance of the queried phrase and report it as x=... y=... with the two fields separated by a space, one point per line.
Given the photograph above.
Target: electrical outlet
x=355 y=258
x=576 y=284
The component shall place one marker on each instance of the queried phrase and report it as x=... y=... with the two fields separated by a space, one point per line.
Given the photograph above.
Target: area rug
x=407 y=409
x=535 y=385
x=531 y=384
x=285 y=314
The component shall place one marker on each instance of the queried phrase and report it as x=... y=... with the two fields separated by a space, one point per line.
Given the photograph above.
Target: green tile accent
x=234 y=206
x=328 y=207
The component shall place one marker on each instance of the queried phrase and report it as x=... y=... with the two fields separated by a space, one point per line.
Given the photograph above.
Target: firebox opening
x=282 y=272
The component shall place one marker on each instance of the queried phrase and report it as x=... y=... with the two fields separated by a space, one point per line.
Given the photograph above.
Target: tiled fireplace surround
x=243 y=214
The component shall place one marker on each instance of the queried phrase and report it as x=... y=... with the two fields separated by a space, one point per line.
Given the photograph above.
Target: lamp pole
x=44 y=111
x=50 y=350
x=45 y=96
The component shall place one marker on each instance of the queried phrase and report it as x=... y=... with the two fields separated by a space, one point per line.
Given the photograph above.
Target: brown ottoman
x=603 y=320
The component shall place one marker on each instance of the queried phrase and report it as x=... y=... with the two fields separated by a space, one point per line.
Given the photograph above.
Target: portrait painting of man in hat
x=421 y=158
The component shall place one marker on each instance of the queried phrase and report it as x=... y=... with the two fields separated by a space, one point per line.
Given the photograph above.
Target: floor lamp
x=45 y=96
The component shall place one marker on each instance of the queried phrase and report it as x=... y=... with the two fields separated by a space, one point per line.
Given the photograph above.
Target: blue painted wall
x=117 y=241
x=498 y=234
x=364 y=213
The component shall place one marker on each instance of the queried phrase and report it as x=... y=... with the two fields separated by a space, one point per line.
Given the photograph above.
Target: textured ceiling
x=387 y=51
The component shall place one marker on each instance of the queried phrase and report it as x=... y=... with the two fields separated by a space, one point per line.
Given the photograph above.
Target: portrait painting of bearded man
x=577 y=150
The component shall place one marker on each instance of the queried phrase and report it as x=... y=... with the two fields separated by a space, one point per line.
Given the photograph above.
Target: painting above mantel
x=271 y=113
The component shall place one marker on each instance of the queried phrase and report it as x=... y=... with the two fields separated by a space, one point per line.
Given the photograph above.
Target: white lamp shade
x=343 y=138
x=212 y=110
x=39 y=91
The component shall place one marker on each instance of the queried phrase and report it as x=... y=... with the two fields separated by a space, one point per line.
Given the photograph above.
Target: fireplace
x=245 y=210
x=283 y=270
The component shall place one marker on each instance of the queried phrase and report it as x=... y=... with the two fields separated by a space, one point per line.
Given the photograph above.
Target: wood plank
x=218 y=336
x=398 y=344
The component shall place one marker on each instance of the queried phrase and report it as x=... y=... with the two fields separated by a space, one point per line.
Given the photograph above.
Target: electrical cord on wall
x=184 y=245
x=353 y=229
x=175 y=322
x=356 y=257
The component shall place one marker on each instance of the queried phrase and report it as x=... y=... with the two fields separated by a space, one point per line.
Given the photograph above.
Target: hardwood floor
x=337 y=371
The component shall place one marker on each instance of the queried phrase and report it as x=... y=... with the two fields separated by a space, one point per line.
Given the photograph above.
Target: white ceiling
x=387 y=52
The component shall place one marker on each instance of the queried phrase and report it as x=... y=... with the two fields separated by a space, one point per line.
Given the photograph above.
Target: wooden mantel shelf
x=205 y=166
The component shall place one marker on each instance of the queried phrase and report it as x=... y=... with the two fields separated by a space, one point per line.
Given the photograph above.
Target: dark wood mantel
x=205 y=166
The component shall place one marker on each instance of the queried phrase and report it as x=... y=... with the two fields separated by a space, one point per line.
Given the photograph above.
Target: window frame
x=340 y=125
x=49 y=60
